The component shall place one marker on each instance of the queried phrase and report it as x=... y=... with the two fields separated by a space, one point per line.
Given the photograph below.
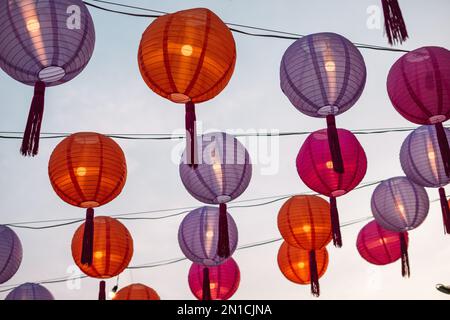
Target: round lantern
x=44 y=44
x=418 y=85
x=422 y=164
x=380 y=246
x=87 y=170
x=30 y=291
x=304 y=222
x=222 y=174
x=214 y=282
x=295 y=265
x=315 y=167
x=323 y=75
x=10 y=253
x=199 y=236
x=136 y=291
x=112 y=249
x=187 y=57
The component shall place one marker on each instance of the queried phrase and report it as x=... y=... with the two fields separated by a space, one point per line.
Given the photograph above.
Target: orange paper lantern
x=136 y=291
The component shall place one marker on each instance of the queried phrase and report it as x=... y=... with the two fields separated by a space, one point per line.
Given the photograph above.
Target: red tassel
x=443 y=147
x=405 y=258
x=314 y=275
x=88 y=238
x=206 y=294
x=191 y=135
x=393 y=22
x=445 y=210
x=333 y=141
x=223 y=245
x=30 y=141
x=335 y=225
x=102 y=291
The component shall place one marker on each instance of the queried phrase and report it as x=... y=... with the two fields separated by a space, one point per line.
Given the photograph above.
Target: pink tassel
x=191 y=135
x=335 y=225
x=314 y=275
x=393 y=22
x=102 y=290
x=443 y=147
x=445 y=210
x=333 y=141
x=223 y=245
x=405 y=258
x=88 y=238
x=30 y=141
x=206 y=294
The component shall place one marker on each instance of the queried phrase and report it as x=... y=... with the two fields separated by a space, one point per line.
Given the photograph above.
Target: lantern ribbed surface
x=198 y=236
x=418 y=85
x=30 y=291
x=315 y=164
x=46 y=40
x=421 y=159
x=136 y=291
x=10 y=253
x=294 y=263
x=304 y=221
x=224 y=170
x=322 y=74
x=112 y=249
x=87 y=169
x=399 y=205
x=224 y=280
x=379 y=246
x=187 y=55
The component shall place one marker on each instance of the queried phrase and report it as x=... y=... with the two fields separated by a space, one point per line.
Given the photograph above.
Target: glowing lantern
x=87 y=170
x=10 y=253
x=214 y=282
x=30 y=291
x=315 y=167
x=44 y=44
x=323 y=75
x=136 y=291
x=112 y=250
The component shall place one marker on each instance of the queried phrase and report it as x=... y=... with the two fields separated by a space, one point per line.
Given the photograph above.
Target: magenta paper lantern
x=30 y=291
x=10 y=253
x=315 y=168
x=199 y=236
x=423 y=164
x=380 y=246
x=214 y=282
x=43 y=44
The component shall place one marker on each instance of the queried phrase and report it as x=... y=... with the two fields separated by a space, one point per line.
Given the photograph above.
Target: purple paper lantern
x=199 y=236
x=30 y=291
x=423 y=164
x=44 y=43
x=10 y=253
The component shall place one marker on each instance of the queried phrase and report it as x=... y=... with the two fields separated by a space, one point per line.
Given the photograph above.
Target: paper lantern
x=214 y=282
x=10 y=253
x=418 y=85
x=315 y=167
x=422 y=164
x=380 y=246
x=136 y=291
x=199 y=236
x=187 y=57
x=394 y=25
x=323 y=75
x=304 y=222
x=30 y=291
x=222 y=174
x=44 y=44
x=112 y=249
x=87 y=170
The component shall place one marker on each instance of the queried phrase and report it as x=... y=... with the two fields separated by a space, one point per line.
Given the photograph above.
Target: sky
x=109 y=96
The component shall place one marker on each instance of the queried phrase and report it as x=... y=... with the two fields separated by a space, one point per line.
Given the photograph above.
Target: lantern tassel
x=333 y=141
x=88 y=238
x=335 y=225
x=314 y=275
x=223 y=245
x=393 y=22
x=445 y=210
x=30 y=141
x=206 y=294
x=191 y=135
x=405 y=258
x=443 y=147
x=102 y=290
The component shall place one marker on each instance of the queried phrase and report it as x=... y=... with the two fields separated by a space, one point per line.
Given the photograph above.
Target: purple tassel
x=335 y=225
x=102 y=291
x=314 y=275
x=333 y=141
x=443 y=147
x=30 y=141
x=393 y=22
x=88 y=238
x=405 y=258
x=445 y=210
x=223 y=246
x=206 y=294
x=191 y=136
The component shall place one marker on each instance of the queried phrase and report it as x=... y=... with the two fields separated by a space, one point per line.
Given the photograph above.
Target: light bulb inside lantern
x=212 y=286
x=112 y=294
x=210 y=234
x=329 y=164
x=33 y=25
x=98 y=255
x=330 y=66
x=81 y=171
x=307 y=228
x=187 y=50
x=301 y=265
